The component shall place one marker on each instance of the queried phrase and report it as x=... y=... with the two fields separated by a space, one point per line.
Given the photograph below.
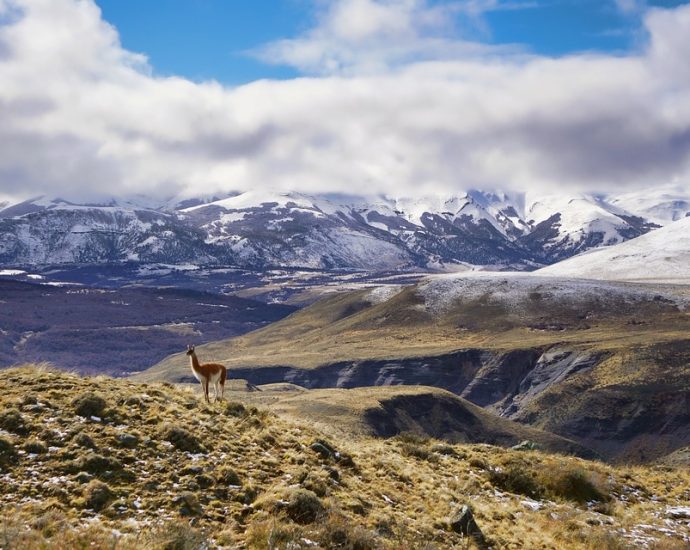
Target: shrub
x=89 y=405
x=188 y=504
x=35 y=446
x=8 y=454
x=95 y=464
x=227 y=476
x=235 y=409
x=182 y=439
x=304 y=506
x=273 y=534
x=576 y=484
x=14 y=422
x=84 y=440
x=97 y=495
x=177 y=535
x=337 y=532
x=515 y=479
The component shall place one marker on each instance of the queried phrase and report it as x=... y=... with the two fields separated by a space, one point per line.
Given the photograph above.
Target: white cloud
x=80 y=113
x=370 y=36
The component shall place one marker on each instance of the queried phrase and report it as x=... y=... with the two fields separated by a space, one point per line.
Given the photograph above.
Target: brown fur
x=204 y=373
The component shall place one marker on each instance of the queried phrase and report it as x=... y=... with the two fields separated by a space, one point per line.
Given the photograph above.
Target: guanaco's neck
x=194 y=361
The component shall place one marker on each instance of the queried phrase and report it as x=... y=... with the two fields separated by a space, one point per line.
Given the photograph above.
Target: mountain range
x=259 y=229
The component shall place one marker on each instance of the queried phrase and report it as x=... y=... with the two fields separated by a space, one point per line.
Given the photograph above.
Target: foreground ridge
x=111 y=463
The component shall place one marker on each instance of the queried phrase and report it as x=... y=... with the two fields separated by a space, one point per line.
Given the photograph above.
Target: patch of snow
x=11 y=272
x=382 y=294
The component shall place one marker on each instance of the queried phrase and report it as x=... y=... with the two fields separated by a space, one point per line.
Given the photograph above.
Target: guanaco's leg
x=206 y=391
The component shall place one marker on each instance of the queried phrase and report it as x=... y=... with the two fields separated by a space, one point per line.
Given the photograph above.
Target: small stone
x=128 y=441
x=83 y=477
x=526 y=445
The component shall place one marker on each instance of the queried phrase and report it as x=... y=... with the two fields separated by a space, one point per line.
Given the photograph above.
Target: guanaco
x=209 y=373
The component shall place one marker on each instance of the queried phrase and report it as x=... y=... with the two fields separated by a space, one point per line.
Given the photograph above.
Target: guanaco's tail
x=223 y=376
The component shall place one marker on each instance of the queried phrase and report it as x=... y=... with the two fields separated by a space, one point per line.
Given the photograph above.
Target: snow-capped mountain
x=661 y=255
x=45 y=231
x=263 y=228
x=565 y=225
x=660 y=205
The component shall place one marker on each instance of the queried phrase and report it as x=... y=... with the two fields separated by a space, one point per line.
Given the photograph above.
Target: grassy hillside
x=410 y=321
x=103 y=463
x=605 y=364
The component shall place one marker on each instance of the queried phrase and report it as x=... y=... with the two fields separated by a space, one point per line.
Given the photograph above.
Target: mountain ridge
x=271 y=228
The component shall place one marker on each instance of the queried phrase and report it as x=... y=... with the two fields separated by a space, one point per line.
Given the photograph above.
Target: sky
x=395 y=97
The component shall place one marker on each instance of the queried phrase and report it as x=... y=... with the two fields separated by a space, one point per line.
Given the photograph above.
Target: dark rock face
x=505 y=382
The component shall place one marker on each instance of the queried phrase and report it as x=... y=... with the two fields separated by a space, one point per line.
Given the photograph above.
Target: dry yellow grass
x=250 y=478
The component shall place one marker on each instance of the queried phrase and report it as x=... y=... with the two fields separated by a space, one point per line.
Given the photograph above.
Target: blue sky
x=210 y=39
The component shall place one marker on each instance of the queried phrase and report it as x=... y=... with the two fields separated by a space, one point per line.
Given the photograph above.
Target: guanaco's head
x=190 y=350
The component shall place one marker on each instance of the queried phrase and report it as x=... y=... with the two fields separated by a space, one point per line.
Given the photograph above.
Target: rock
x=526 y=446
x=678 y=512
x=83 y=477
x=463 y=522
x=128 y=441
x=89 y=405
x=97 y=495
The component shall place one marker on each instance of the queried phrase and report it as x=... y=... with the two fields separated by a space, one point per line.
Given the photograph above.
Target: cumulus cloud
x=80 y=113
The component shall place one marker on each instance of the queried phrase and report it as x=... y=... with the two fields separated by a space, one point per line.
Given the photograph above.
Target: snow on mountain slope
x=292 y=229
x=46 y=231
x=564 y=225
x=660 y=255
x=660 y=205
x=263 y=227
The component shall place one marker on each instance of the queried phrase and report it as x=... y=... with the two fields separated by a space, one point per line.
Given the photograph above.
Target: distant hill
x=599 y=362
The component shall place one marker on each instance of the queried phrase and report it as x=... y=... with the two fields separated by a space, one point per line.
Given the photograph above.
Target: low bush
x=304 y=506
x=8 y=453
x=97 y=495
x=13 y=421
x=182 y=439
x=515 y=479
x=89 y=405
x=575 y=484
